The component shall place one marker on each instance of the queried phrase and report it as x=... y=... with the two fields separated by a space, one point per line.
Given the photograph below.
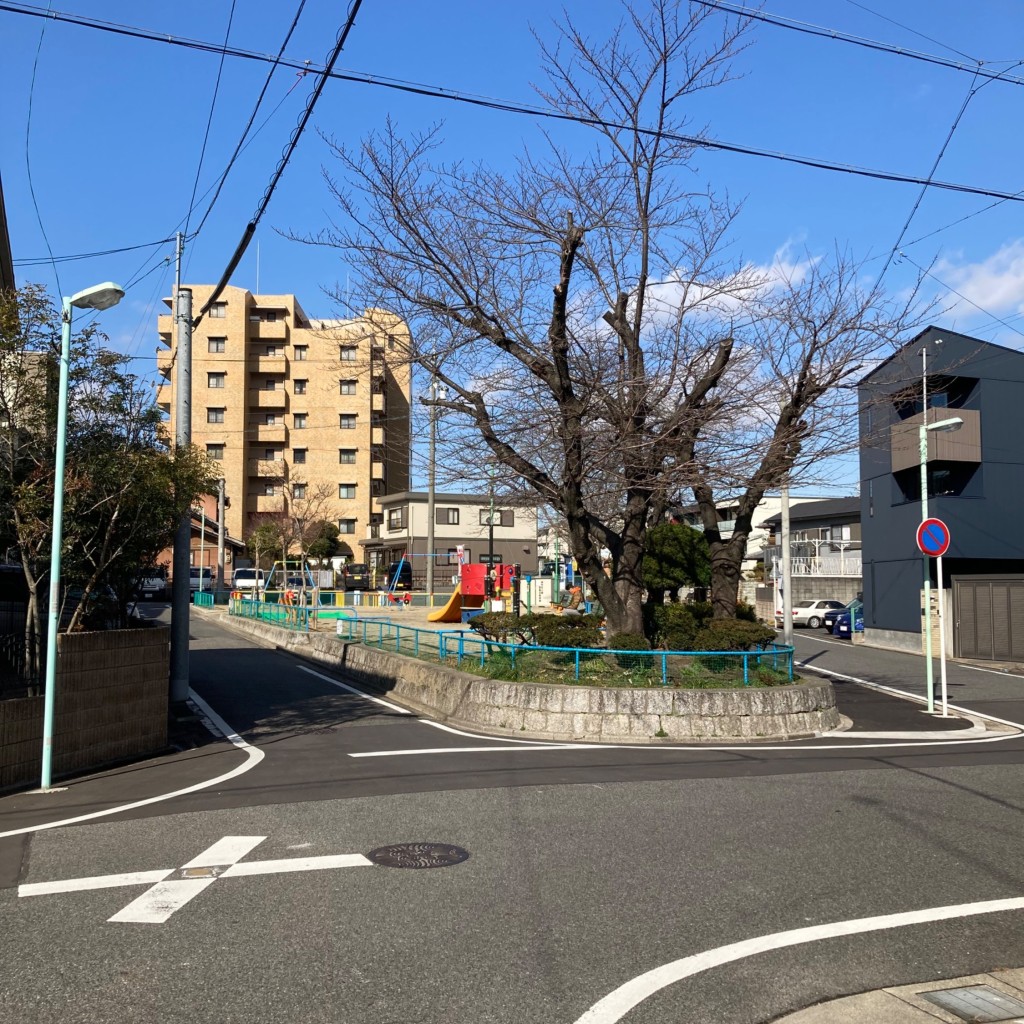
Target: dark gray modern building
x=975 y=485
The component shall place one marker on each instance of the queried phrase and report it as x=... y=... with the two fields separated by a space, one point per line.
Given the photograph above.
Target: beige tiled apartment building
x=296 y=409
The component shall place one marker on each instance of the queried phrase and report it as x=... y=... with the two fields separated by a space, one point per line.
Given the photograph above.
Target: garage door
x=989 y=613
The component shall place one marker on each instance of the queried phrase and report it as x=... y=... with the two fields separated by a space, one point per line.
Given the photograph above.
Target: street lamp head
x=952 y=423
x=99 y=296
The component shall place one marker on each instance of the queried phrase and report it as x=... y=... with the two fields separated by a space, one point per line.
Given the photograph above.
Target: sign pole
x=942 y=639
x=933 y=542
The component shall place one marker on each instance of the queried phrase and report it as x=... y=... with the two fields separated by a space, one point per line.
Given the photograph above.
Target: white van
x=249 y=579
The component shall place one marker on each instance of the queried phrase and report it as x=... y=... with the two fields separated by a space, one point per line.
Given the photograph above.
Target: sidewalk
x=989 y=997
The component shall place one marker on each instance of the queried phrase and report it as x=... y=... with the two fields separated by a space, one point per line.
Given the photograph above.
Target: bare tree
x=594 y=338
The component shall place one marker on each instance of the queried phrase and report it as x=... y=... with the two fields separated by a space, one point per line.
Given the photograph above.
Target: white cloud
x=996 y=284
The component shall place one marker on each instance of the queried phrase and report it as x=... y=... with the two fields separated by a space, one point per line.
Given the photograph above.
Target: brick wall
x=111 y=705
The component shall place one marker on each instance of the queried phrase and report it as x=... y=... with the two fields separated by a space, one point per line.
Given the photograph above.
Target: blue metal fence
x=288 y=616
x=464 y=645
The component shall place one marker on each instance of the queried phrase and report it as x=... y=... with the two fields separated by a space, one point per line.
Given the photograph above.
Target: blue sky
x=117 y=127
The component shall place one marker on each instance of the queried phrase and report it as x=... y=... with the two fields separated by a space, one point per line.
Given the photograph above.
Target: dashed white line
x=614 y=1006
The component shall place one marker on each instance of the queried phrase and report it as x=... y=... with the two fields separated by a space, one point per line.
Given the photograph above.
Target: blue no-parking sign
x=933 y=537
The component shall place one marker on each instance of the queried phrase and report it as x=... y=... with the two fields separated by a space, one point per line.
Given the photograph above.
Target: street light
x=99 y=297
x=952 y=423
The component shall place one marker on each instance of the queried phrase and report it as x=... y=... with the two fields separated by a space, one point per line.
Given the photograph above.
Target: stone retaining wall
x=569 y=713
x=110 y=705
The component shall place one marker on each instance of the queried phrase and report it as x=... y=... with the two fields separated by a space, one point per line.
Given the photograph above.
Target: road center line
x=614 y=1006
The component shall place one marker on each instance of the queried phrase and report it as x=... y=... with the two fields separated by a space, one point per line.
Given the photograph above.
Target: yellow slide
x=452 y=611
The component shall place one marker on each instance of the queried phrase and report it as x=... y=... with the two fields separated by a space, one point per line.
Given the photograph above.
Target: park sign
x=933 y=537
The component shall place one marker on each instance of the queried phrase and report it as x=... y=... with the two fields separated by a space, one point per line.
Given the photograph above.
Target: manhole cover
x=977 y=1003
x=418 y=855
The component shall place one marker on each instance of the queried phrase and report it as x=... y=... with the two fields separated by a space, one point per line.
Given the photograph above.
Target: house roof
x=830 y=508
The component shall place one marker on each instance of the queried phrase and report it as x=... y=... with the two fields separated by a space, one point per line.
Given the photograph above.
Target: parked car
x=808 y=613
x=834 y=613
x=850 y=620
x=354 y=576
x=252 y=579
x=153 y=585
x=399 y=576
x=194 y=577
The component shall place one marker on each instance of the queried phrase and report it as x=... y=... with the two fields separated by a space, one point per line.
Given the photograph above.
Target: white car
x=808 y=613
x=249 y=579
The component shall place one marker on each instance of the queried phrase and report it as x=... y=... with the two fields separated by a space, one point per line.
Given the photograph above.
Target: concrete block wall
x=111 y=705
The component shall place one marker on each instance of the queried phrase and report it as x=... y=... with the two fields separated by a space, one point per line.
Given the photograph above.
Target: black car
x=354 y=576
x=399 y=576
x=833 y=613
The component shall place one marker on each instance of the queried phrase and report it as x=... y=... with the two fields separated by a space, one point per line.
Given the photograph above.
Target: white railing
x=844 y=562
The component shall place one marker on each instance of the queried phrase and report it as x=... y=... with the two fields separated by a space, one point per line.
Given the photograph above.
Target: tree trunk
x=726 y=559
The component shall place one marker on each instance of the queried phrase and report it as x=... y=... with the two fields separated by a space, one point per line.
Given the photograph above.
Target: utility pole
x=787 y=571
x=180 y=589
x=220 y=534
x=431 y=485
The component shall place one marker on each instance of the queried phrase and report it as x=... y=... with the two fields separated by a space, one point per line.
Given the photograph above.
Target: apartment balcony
x=268 y=469
x=833 y=558
x=963 y=445
x=376 y=470
x=264 y=398
x=377 y=435
x=267 y=434
x=164 y=363
x=165 y=328
x=164 y=397
x=276 y=330
x=373 y=531
x=268 y=364
x=263 y=503
x=378 y=402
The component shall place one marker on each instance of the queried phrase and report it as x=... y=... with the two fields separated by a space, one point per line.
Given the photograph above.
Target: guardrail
x=667 y=667
x=294 y=617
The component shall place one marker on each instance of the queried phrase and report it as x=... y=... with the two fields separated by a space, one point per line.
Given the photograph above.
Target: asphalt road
x=586 y=868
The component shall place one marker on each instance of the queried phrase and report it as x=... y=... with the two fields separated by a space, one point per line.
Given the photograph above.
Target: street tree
x=264 y=537
x=595 y=336
x=675 y=556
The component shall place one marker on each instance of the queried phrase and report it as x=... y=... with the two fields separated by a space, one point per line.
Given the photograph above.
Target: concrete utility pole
x=180 y=589
x=787 y=571
x=431 y=485
x=220 y=534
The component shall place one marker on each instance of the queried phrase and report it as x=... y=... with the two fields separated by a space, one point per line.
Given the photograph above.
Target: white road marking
x=359 y=693
x=167 y=895
x=253 y=757
x=614 y=1006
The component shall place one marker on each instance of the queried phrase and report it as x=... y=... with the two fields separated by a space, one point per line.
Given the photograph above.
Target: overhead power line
x=537 y=111
x=32 y=261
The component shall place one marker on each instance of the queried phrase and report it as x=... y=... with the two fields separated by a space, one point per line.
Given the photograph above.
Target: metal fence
x=288 y=616
x=22 y=665
x=468 y=649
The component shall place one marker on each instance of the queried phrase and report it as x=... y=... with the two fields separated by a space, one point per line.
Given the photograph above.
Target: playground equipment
x=452 y=611
x=498 y=584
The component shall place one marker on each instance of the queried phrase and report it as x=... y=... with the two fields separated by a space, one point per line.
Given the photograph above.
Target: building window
x=453 y=556
x=347 y=421
x=299 y=387
x=346 y=526
x=299 y=456
x=273 y=352
x=502 y=517
x=347 y=353
x=347 y=387
x=269 y=490
x=216 y=344
x=398 y=518
x=214 y=415
x=215 y=451
x=270 y=384
x=446 y=516
x=271 y=455
x=346 y=490
x=298 y=491
x=299 y=420
x=215 y=380
x=218 y=311
x=269 y=316
x=347 y=456
x=301 y=352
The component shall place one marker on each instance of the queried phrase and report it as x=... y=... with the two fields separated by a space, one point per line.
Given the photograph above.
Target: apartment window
x=271 y=455
x=502 y=517
x=299 y=420
x=398 y=518
x=269 y=316
x=453 y=556
x=347 y=456
x=218 y=311
x=347 y=387
x=346 y=490
x=270 y=384
x=273 y=351
x=216 y=344
x=299 y=387
x=346 y=526
x=215 y=451
x=215 y=380
x=347 y=421
x=298 y=491
x=300 y=352
x=347 y=353
x=446 y=516
x=391 y=341
x=269 y=490
x=299 y=456
x=214 y=415
x=270 y=419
